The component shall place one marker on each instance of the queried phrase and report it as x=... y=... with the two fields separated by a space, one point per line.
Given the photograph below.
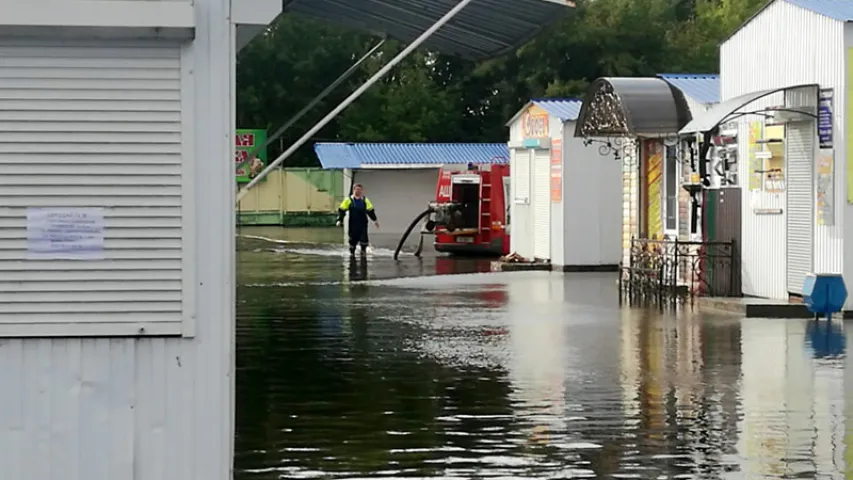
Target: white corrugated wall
x=765 y=54
x=521 y=234
x=799 y=152
x=84 y=125
x=147 y=408
x=592 y=192
x=541 y=202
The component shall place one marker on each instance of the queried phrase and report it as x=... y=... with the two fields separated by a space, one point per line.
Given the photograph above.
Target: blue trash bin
x=824 y=293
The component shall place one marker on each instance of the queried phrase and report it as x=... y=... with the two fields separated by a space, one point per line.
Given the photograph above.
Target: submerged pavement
x=384 y=369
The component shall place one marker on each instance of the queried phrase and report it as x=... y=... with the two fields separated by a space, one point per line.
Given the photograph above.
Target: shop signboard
x=824 y=118
x=654 y=176
x=556 y=170
x=534 y=123
x=249 y=161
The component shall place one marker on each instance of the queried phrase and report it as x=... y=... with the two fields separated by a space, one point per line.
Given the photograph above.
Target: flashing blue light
x=824 y=293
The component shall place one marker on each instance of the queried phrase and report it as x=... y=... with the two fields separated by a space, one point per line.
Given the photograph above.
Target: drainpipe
x=352 y=69
x=356 y=94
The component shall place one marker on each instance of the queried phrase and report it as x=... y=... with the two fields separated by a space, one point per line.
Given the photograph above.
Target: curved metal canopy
x=720 y=113
x=484 y=29
x=632 y=107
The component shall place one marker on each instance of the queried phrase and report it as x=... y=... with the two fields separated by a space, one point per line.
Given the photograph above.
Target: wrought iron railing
x=669 y=272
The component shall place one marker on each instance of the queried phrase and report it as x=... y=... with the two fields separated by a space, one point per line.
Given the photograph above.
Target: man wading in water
x=360 y=209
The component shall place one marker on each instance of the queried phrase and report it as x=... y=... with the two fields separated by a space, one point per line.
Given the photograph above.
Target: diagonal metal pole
x=354 y=95
x=352 y=69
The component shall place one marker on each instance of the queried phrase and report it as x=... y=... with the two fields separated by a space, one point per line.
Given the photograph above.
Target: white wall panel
x=399 y=195
x=521 y=233
x=541 y=203
x=145 y=408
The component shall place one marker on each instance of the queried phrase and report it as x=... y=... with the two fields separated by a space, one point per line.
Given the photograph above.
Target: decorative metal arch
x=632 y=107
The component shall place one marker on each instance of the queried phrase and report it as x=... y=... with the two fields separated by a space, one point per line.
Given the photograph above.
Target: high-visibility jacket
x=360 y=210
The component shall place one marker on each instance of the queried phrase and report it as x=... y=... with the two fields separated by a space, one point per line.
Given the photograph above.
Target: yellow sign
x=534 y=123
x=654 y=172
x=849 y=128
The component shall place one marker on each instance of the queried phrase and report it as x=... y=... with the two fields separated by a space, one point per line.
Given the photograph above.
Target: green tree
x=281 y=70
x=436 y=98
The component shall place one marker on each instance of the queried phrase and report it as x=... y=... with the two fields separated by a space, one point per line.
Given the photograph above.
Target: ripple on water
x=534 y=375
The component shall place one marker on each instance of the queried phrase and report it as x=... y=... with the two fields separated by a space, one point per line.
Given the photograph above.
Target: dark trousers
x=358 y=236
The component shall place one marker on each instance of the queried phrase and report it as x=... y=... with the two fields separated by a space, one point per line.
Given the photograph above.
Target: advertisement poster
x=247 y=165
x=825 y=191
x=654 y=175
x=556 y=170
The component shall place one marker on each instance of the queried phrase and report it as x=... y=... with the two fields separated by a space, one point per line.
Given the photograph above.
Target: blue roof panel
x=841 y=10
x=703 y=88
x=357 y=155
x=566 y=109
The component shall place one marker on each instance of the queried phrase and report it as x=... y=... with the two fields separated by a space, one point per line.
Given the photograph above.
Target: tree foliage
x=431 y=97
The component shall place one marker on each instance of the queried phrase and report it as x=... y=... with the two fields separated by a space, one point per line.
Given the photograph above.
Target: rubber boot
x=363 y=250
x=352 y=251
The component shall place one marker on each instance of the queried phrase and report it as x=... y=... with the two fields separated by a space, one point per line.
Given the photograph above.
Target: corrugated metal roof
x=357 y=155
x=838 y=9
x=703 y=88
x=485 y=28
x=566 y=109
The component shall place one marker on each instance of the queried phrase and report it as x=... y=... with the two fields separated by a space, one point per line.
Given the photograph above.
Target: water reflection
x=350 y=371
x=357 y=268
x=826 y=339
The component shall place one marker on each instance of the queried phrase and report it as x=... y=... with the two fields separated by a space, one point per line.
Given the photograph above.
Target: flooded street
x=380 y=369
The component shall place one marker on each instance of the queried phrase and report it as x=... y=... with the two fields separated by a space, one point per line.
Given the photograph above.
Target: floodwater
x=386 y=370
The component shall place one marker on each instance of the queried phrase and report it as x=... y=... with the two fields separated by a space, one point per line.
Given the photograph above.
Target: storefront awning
x=632 y=107
x=723 y=112
x=485 y=28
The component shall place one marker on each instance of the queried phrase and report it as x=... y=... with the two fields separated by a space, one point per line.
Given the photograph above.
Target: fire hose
x=446 y=215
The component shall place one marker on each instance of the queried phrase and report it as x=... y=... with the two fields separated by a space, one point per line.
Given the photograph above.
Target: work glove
x=376 y=223
x=338 y=223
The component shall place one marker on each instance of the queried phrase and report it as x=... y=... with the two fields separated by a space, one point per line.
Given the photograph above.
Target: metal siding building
x=784 y=45
x=551 y=198
x=119 y=367
x=653 y=202
x=400 y=178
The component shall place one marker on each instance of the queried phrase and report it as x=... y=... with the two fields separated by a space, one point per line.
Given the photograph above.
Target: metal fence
x=670 y=272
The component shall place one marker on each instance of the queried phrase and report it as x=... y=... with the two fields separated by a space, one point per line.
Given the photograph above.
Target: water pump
x=445 y=215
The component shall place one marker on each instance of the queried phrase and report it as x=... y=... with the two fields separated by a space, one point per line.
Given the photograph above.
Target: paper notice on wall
x=65 y=234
